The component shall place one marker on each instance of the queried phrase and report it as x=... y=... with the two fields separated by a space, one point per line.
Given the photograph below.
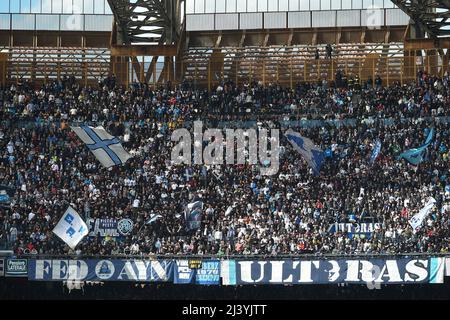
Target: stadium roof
x=431 y=16
x=147 y=21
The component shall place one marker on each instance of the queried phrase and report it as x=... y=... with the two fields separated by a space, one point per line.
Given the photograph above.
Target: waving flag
x=375 y=152
x=429 y=137
x=312 y=154
x=6 y=193
x=71 y=228
x=415 y=156
x=417 y=220
x=106 y=148
x=153 y=218
x=193 y=215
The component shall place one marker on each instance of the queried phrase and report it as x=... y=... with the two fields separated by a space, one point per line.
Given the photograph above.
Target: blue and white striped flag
x=105 y=147
x=375 y=152
x=313 y=155
x=228 y=272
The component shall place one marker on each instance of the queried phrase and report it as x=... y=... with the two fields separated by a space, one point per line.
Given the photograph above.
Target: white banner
x=447 y=267
x=417 y=220
x=71 y=228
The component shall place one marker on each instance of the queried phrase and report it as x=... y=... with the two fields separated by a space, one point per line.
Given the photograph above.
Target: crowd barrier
x=245 y=270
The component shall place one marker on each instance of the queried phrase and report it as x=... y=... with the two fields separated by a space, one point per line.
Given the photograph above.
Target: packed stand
x=288 y=213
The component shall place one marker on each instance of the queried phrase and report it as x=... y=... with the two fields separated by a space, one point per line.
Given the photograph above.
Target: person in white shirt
x=218 y=235
x=10 y=147
x=13 y=234
x=31 y=215
x=210 y=211
x=134 y=248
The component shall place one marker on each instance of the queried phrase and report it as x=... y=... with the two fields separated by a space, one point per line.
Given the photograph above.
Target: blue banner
x=109 y=227
x=182 y=273
x=368 y=271
x=103 y=228
x=208 y=274
x=357 y=230
x=364 y=271
x=101 y=270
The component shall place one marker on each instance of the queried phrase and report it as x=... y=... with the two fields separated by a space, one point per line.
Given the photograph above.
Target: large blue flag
x=313 y=155
x=415 y=156
x=375 y=152
x=106 y=148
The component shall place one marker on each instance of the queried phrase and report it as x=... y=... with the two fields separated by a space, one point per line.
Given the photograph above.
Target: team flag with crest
x=105 y=147
x=313 y=155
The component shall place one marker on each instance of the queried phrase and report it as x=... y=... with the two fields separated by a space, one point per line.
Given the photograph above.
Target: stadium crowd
x=245 y=213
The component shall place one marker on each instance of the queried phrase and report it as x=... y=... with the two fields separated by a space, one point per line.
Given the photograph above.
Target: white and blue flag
x=105 y=147
x=71 y=228
x=313 y=155
x=153 y=218
x=416 y=221
x=375 y=152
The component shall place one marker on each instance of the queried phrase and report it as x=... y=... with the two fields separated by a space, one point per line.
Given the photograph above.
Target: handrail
x=236 y=257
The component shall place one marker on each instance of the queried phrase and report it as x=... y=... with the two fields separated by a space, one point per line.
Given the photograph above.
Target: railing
x=291 y=65
x=286 y=66
x=287 y=70
x=89 y=65
x=237 y=257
